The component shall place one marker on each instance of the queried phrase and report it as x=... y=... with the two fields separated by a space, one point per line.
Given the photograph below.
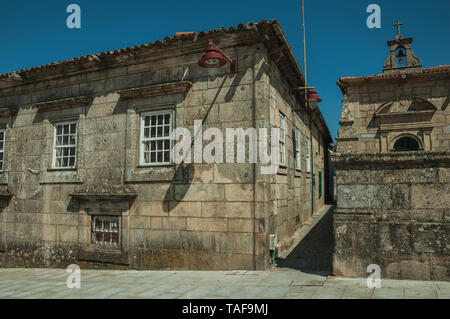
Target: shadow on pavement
x=314 y=254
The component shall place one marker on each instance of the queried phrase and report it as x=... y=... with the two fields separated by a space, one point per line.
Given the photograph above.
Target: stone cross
x=398 y=24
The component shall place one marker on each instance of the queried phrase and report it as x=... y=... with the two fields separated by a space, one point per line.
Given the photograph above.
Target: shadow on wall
x=175 y=195
x=314 y=254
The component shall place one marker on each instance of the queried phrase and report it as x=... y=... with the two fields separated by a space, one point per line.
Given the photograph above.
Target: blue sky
x=338 y=41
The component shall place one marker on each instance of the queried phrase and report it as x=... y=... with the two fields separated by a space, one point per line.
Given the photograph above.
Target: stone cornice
x=433 y=72
x=353 y=160
x=406 y=114
x=113 y=197
x=154 y=90
x=63 y=103
x=104 y=192
x=403 y=126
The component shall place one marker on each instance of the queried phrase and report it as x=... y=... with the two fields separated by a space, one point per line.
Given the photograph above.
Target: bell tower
x=401 y=57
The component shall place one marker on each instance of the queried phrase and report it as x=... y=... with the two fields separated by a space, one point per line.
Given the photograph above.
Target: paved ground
x=276 y=283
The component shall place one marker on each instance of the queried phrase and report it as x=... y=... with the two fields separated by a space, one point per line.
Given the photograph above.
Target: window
x=308 y=155
x=282 y=141
x=319 y=142
x=320 y=184
x=65 y=144
x=105 y=230
x=406 y=144
x=156 y=144
x=2 y=148
x=298 y=135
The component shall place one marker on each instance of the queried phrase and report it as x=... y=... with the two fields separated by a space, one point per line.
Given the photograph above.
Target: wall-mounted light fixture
x=313 y=96
x=215 y=58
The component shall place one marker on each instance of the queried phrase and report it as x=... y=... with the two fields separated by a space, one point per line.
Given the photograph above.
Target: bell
x=400 y=55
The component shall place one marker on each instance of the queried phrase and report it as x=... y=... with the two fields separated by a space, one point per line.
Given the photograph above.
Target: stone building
x=393 y=172
x=87 y=174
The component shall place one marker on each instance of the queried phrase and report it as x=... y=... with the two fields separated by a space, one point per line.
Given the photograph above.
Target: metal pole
x=306 y=104
x=304 y=49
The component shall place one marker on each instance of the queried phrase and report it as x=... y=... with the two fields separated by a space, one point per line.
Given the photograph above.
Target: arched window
x=405 y=144
x=401 y=56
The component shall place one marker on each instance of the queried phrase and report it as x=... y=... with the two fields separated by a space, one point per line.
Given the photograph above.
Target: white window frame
x=2 y=150
x=55 y=125
x=308 y=155
x=298 y=138
x=282 y=138
x=142 y=140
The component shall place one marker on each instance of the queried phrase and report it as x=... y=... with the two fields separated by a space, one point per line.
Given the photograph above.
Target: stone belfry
x=401 y=57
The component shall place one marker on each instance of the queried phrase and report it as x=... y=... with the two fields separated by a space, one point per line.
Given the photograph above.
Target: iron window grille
x=106 y=231
x=156 y=142
x=65 y=145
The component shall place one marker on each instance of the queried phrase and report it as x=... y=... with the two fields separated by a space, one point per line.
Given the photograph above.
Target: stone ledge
x=349 y=160
x=63 y=103
x=100 y=193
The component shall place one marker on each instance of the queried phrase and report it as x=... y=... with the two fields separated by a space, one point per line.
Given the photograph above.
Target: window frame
x=282 y=138
x=320 y=184
x=55 y=125
x=308 y=155
x=2 y=150
x=142 y=116
x=103 y=244
x=297 y=150
x=319 y=142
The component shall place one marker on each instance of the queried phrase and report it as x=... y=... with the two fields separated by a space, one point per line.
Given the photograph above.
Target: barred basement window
x=156 y=144
x=105 y=230
x=65 y=144
x=282 y=141
x=2 y=148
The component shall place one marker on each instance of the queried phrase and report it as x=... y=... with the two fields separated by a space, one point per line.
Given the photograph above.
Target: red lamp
x=313 y=96
x=215 y=58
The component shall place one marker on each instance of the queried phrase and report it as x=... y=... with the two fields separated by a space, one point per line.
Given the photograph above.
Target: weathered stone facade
x=187 y=216
x=392 y=161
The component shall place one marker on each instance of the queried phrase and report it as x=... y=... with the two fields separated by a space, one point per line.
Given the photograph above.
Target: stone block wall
x=187 y=216
x=393 y=210
x=291 y=188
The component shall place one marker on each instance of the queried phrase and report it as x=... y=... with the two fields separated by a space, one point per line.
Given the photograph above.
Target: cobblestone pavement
x=276 y=283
